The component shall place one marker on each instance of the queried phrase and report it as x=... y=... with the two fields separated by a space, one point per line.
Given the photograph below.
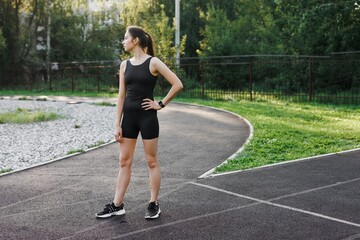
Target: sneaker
x=111 y=210
x=153 y=211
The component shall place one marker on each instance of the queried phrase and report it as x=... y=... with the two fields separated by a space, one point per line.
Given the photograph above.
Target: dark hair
x=145 y=39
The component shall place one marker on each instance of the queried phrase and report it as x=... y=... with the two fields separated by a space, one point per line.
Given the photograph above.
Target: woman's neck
x=139 y=54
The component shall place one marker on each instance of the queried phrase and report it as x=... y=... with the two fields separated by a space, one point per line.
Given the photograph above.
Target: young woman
x=137 y=112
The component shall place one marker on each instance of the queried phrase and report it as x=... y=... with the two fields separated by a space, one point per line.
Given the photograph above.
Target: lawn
x=287 y=131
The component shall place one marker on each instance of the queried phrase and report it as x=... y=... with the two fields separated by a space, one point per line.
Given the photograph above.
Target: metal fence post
x=73 y=83
x=250 y=78
x=202 y=79
x=50 y=84
x=98 y=81
x=310 y=80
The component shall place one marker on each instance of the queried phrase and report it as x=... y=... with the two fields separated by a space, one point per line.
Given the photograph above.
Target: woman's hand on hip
x=148 y=104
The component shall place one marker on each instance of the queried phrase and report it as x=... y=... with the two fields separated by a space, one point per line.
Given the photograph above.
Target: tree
x=82 y=36
x=18 y=23
x=218 y=34
x=335 y=29
x=248 y=30
x=152 y=17
x=2 y=43
x=74 y=36
x=313 y=27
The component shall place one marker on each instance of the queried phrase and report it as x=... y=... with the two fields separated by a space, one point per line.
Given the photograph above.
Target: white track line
x=314 y=189
x=256 y=202
x=317 y=157
x=42 y=195
x=93 y=227
x=182 y=221
x=279 y=205
x=353 y=237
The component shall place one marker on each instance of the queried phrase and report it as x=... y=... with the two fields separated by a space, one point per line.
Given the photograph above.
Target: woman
x=137 y=112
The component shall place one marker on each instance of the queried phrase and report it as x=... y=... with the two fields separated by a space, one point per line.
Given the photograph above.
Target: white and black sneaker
x=111 y=210
x=153 y=211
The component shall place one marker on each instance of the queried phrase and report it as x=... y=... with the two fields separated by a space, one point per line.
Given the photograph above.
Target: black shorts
x=136 y=119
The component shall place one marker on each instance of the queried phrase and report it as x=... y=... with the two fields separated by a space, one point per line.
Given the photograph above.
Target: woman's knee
x=152 y=161
x=125 y=161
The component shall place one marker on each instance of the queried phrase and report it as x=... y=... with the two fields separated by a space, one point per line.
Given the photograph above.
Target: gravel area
x=81 y=127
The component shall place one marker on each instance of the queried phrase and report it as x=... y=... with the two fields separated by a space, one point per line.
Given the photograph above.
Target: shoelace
x=109 y=207
x=152 y=206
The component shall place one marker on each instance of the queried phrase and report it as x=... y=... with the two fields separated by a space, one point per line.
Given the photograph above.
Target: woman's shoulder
x=123 y=65
x=155 y=61
x=154 y=58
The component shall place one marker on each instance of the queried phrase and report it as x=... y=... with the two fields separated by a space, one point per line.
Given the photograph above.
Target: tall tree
x=191 y=20
x=336 y=28
x=2 y=42
x=152 y=17
x=317 y=27
x=17 y=22
x=218 y=34
x=75 y=36
x=250 y=29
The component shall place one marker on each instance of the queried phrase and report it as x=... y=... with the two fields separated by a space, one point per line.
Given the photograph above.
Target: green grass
x=6 y=170
x=23 y=116
x=287 y=131
x=105 y=104
x=24 y=98
x=75 y=151
x=97 y=144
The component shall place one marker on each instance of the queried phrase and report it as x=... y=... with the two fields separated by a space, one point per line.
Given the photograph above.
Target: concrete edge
x=56 y=159
x=55 y=99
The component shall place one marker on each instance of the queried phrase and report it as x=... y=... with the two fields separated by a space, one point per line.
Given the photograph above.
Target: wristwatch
x=161 y=104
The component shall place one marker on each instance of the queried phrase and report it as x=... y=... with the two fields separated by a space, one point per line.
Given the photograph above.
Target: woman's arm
x=158 y=67
x=120 y=102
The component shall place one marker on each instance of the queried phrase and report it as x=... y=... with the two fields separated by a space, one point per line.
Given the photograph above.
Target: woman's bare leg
x=127 y=148
x=151 y=153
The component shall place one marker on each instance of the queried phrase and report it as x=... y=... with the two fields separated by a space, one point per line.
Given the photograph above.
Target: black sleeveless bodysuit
x=139 y=84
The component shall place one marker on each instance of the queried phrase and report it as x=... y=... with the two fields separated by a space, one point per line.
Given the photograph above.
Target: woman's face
x=128 y=42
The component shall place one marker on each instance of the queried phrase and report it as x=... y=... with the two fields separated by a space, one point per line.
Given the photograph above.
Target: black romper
x=140 y=84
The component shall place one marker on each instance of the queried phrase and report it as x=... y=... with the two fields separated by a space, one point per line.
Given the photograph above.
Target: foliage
x=84 y=37
x=79 y=34
x=218 y=34
x=152 y=17
x=74 y=37
x=278 y=26
x=249 y=29
x=317 y=28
